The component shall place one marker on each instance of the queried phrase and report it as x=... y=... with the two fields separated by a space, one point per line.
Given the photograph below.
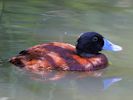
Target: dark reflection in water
x=58 y=85
x=24 y=23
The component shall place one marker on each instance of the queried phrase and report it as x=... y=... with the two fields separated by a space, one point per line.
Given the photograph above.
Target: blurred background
x=24 y=23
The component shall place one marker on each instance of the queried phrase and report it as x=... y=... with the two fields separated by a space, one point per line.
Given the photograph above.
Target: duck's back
x=59 y=56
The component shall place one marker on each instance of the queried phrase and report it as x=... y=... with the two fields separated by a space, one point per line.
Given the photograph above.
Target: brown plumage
x=57 y=56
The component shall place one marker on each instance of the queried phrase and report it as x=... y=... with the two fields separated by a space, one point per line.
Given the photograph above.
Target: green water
x=24 y=23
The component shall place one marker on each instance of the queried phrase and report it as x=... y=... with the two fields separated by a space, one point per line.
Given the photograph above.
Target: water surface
x=24 y=23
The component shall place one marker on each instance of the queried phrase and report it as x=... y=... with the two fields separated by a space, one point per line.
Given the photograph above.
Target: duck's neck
x=87 y=55
x=84 y=54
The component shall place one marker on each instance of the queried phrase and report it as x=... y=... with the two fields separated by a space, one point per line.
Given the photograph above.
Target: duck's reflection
x=60 y=85
x=83 y=80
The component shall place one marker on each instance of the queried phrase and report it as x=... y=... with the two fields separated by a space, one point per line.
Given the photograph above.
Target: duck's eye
x=94 y=39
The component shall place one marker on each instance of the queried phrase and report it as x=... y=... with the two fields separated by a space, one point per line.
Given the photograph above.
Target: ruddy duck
x=84 y=56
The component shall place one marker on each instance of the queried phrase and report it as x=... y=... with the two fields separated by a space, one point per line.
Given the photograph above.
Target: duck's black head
x=91 y=43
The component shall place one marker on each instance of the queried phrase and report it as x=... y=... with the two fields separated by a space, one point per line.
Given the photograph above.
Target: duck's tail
x=16 y=61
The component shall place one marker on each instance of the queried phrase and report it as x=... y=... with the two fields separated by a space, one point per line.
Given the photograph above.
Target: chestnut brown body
x=57 y=56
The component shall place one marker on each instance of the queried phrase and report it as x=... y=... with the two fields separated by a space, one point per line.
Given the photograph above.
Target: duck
x=84 y=56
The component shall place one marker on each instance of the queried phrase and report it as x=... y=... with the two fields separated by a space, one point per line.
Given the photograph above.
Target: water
x=24 y=23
